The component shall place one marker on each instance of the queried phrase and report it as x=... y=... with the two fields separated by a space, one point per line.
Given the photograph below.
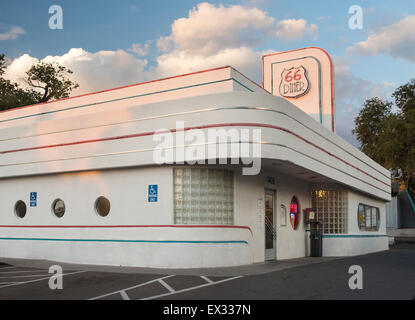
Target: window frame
x=331 y=209
x=15 y=209
x=96 y=206
x=363 y=225
x=53 y=208
x=207 y=220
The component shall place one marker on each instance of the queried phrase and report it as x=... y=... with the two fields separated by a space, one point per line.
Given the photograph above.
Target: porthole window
x=20 y=209
x=102 y=206
x=58 y=208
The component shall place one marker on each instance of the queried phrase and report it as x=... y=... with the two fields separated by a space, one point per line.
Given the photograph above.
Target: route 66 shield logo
x=294 y=82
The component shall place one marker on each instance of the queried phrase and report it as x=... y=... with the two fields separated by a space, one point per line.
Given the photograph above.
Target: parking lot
x=33 y=283
x=387 y=275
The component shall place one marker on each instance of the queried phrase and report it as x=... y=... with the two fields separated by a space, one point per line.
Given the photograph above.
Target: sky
x=115 y=43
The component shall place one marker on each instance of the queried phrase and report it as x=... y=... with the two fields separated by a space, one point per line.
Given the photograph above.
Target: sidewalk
x=253 y=269
x=401 y=236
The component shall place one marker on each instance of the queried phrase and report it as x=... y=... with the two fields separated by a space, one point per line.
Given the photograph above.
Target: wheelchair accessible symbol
x=33 y=199
x=153 y=193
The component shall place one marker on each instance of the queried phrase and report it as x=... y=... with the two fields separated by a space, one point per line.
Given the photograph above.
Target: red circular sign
x=294 y=212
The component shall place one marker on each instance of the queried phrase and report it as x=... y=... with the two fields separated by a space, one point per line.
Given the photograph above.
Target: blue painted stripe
x=354 y=235
x=410 y=199
x=125 y=98
x=241 y=84
x=126 y=241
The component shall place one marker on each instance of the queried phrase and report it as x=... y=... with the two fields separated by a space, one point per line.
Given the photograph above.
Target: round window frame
x=96 y=206
x=53 y=208
x=15 y=209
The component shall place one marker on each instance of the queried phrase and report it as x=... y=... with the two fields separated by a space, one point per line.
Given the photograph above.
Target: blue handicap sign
x=153 y=193
x=33 y=199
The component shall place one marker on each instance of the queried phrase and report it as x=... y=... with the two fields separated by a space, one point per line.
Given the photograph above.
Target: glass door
x=270 y=223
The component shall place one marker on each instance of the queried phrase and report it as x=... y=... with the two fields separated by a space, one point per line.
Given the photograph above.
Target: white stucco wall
x=248 y=189
x=139 y=233
x=125 y=188
x=135 y=233
x=357 y=242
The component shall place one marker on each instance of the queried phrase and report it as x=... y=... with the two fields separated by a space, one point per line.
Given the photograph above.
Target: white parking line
x=27 y=276
x=36 y=280
x=166 y=285
x=124 y=295
x=192 y=288
x=25 y=271
x=206 y=279
x=130 y=288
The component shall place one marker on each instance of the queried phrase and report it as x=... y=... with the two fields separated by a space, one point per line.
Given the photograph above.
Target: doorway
x=270 y=225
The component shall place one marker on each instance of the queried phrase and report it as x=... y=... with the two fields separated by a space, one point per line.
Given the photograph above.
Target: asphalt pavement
x=385 y=275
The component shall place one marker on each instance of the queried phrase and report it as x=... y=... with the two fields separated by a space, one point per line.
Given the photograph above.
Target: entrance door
x=270 y=230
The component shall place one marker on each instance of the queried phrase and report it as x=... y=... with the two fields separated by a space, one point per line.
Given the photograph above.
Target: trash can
x=316 y=245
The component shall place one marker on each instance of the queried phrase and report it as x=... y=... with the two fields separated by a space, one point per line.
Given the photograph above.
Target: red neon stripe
x=331 y=75
x=131 y=226
x=118 y=88
x=193 y=128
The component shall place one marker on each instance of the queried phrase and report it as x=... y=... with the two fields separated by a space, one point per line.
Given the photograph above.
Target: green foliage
x=370 y=126
x=2 y=64
x=50 y=78
x=389 y=137
x=47 y=81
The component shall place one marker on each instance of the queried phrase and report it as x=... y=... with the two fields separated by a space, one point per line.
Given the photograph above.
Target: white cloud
x=93 y=71
x=293 y=30
x=178 y=62
x=16 y=69
x=13 y=34
x=208 y=28
x=324 y=18
x=210 y=36
x=140 y=49
x=397 y=39
x=351 y=92
x=213 y=36
x=164 y=44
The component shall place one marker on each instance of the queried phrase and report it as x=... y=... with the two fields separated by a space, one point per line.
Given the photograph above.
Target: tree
x=370 y=126
x=46 y=81
x=404 y=131
x=389 y=137
x=50 y=79
x=10 y=93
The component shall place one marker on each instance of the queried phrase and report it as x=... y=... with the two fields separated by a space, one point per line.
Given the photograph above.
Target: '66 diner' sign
x=305 y=78
x=294 y=82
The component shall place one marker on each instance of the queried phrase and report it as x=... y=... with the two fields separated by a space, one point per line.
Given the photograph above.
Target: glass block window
x=368 y=218
x=203 y=196
x=331 y=210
